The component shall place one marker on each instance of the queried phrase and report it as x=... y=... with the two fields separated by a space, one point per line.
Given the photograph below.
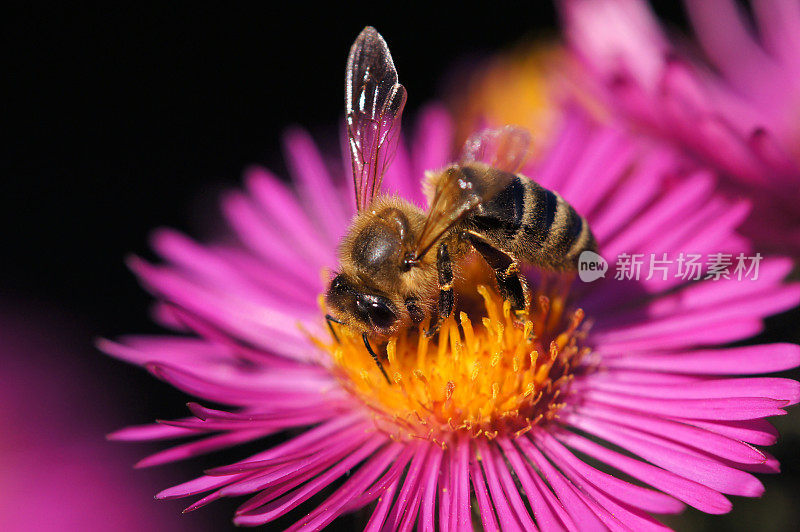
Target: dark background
x=126 y=117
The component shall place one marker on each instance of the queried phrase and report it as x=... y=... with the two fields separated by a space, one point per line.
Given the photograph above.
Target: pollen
x=495 y=372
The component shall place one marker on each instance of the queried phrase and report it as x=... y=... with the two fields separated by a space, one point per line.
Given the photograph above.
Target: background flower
x=519 y=86
x=732 y=101
x=649 y=341
x=58 y=472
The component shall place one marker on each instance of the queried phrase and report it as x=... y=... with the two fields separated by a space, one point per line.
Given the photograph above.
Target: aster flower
x=488 y=417
x=736 y=109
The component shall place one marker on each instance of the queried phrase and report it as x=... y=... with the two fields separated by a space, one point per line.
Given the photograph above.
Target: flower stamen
x=475 y=380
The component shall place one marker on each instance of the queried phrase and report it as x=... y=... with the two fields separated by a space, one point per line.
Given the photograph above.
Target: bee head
x=374 y=282
x=368 y=312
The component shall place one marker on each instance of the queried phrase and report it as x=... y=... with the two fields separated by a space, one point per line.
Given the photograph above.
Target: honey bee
x=397 y=261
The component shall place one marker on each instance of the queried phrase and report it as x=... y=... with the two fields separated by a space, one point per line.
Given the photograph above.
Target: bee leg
x=375 y=357
x=414 y=310
x=512 y=286
x=330 y=319
x=446 y=297
x=434 y=328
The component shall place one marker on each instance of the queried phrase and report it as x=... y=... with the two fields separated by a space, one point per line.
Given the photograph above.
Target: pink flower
x=737 y=110
x=492 y=407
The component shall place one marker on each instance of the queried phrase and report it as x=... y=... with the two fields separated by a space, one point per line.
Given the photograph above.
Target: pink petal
x=411 y=484
x=710 y=442
x=754 y=431
x=687 y=322
x=732 y=361
x=510 y=489
x=332 y=507
x=616 y=515
x=202 y=265
x=411 y=515
x=632 y=195
x=729 y=408
x=277 y=470
x=323 y=203
x=431 y=149
x=225 y=392
x=273 y=491
x=195 y=486
x=149 y=432
x=307 y=442
x=269 y=242
x=381 y=486
x=445 y=495
x=779 y=22
x=575 y=506
x=673 y=457
x=691 y=334
x=687 y=196
x=429 y=483
x=721 y=30
x=697 y=495
x=599 y=167
x=459 y=480
x=773 y=388
x=250 y=322
x=631 y=494
x=559 y=160
x=627 y=376
x=283 y=208
x=272 y=279
x=378 y=516
x=203 y=446
x=485 y=506
x=769 y=467
x=291 y=500
x=547 y=509
x=500 y=501
x=399 y=179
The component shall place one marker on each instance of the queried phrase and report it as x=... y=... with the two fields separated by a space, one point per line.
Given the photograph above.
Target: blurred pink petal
x=57 y=472
x=734 y=106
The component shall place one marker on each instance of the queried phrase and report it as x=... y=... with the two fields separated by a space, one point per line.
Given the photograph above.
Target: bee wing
x=456 y=195
x=506 y=148
x=450 y=203
x=374 y=102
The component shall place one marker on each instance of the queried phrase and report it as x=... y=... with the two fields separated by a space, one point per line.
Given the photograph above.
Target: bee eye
x=377 y=309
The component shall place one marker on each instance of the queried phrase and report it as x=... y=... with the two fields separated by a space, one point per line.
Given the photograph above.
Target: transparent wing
x=463 y=187
x=449 y=204
x=374 y=102
x=506 y=148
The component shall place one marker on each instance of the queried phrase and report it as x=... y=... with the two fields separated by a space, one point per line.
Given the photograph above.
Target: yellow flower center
x=491 y=373
x=514 y=88
x=523 y=87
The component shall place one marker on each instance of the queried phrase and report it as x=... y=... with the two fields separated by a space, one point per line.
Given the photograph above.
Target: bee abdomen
x=553 y=234
x=504 y=215
x=535 y=225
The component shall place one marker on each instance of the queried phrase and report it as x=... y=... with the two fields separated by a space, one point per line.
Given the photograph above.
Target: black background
x=126 y=117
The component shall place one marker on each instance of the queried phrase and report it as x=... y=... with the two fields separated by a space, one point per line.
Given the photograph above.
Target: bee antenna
x=375 y=357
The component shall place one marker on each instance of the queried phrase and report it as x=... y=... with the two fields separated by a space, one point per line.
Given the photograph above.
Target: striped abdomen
x=532 y=223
